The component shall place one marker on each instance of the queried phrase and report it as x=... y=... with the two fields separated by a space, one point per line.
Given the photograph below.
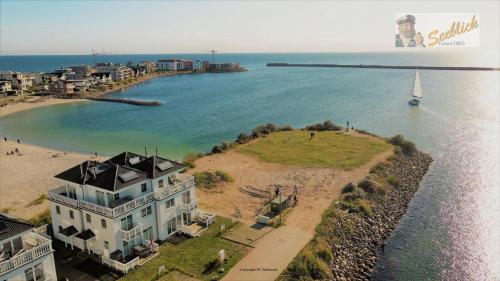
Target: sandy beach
x=26 y=176
x=34 y=102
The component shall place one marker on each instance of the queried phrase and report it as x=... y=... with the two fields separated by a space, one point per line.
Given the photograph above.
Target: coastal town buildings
x=24 y=254
x=62 y=87
x=5 y=86
x=20 y=81
x=119 y=207
x=118 y=72
x=81 y=71
x=175 y=64
x=197 y=65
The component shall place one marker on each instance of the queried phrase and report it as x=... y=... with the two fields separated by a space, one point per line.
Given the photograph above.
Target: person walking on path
x=18 y=141
x=5 y=139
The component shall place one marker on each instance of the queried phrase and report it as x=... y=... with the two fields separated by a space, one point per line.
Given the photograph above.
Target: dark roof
x=106 y=175
x=68 y=231
x=146 y=164
x=103 y=175
x=86 y=234
x=11 y=226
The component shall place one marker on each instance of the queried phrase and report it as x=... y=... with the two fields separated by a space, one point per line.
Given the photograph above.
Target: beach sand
x=25 y=177
x=34 y=102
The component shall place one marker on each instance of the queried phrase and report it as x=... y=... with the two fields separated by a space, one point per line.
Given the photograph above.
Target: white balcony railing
x=42 y=246
x=170 y=190
x=58 y=195
x=187 y=207
x=128 y=235
x=123 y=267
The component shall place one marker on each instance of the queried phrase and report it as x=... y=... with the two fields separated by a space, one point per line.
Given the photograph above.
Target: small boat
x=416 y=92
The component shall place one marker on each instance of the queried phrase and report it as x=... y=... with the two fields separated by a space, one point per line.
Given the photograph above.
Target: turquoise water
x=448 y=232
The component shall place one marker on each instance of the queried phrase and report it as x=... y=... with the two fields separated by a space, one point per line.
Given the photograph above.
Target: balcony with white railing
x=186 y=183
x=131 y=232
x=34 y=246
x=60 y=195
x=189 y=206
x=123 y=267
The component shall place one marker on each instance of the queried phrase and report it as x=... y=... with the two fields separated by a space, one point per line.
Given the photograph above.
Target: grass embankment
x=193 y=256
x=209 y=180
x=325 y=149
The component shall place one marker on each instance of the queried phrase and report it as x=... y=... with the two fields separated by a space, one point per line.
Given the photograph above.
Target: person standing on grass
x=18 y=141
x=5 y=139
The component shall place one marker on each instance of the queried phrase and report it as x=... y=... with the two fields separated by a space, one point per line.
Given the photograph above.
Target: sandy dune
x=24 y=177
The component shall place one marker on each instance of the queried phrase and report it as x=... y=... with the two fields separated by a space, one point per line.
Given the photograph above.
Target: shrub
x=380 y=167
x=243 y=138
x=356 y=194
x=408 y=148
x=217 y=149
x=286 y=128
x=38 y=201
x=397 y=140
x=348 y=188
x=324 y=253
x=308 y=264
x=326 y=126
x=369 y=186
x=224 y=176
x=365 y=208
x=393 y=180
x=205 y=179
x=226 y=145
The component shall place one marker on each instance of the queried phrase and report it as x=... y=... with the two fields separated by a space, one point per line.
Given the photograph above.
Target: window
x=71 y=215
x=39 y=274
x=160 y=183
x=60 y=229
x=28 y=274
x=170 y=203
x=143 y=187
x=100 y=198
x=147 y=234
x=58 y=210
x=103 y=223
x=106 y=245
x=146 y=211
x=117 y=196
x=171 y=226
x=89 y=219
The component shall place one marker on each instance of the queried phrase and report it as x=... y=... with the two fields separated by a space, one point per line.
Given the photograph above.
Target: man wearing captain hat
x=407 y=36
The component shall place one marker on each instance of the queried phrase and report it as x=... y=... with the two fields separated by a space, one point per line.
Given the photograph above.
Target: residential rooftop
x=10 y=227
x=120 y=171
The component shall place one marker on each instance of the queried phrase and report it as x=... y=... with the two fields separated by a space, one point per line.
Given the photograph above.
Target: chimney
x=157 y=152
x=81 y=171
x=146 y=152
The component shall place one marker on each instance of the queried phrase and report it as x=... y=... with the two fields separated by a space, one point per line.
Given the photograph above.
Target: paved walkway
x=271 y=255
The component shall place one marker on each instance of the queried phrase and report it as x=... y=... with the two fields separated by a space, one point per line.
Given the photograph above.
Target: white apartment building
x=117 y=72
x=24 y=254
x=108 y=208
x=197 y=65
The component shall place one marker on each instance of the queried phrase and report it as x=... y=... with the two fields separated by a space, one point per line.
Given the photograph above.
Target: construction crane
x=213 y=55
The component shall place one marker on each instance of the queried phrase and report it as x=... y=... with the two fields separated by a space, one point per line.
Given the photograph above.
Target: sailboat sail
x=417 y=86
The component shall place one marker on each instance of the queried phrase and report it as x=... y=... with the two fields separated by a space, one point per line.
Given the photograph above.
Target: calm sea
x=451 y=230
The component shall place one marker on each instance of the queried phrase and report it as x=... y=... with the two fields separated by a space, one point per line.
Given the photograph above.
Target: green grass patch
x=209 y=180
x=41 y=219
x=193 y=256
x=38 y=201
x=325 y=149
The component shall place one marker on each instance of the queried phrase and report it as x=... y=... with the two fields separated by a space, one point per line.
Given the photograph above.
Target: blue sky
x=123 y=27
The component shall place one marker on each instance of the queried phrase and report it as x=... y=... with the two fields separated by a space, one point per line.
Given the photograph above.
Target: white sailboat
x=416 y=92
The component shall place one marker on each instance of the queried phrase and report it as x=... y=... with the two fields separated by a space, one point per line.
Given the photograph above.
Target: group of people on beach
x=15 y=151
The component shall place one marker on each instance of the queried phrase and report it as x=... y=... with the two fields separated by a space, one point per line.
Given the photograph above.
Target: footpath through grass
x=192 y=256
x=325 y=149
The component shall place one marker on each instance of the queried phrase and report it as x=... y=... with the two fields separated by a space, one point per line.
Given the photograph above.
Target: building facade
x=24 y=254
x=117 y=72
x=20 y=81
x=108 y=208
